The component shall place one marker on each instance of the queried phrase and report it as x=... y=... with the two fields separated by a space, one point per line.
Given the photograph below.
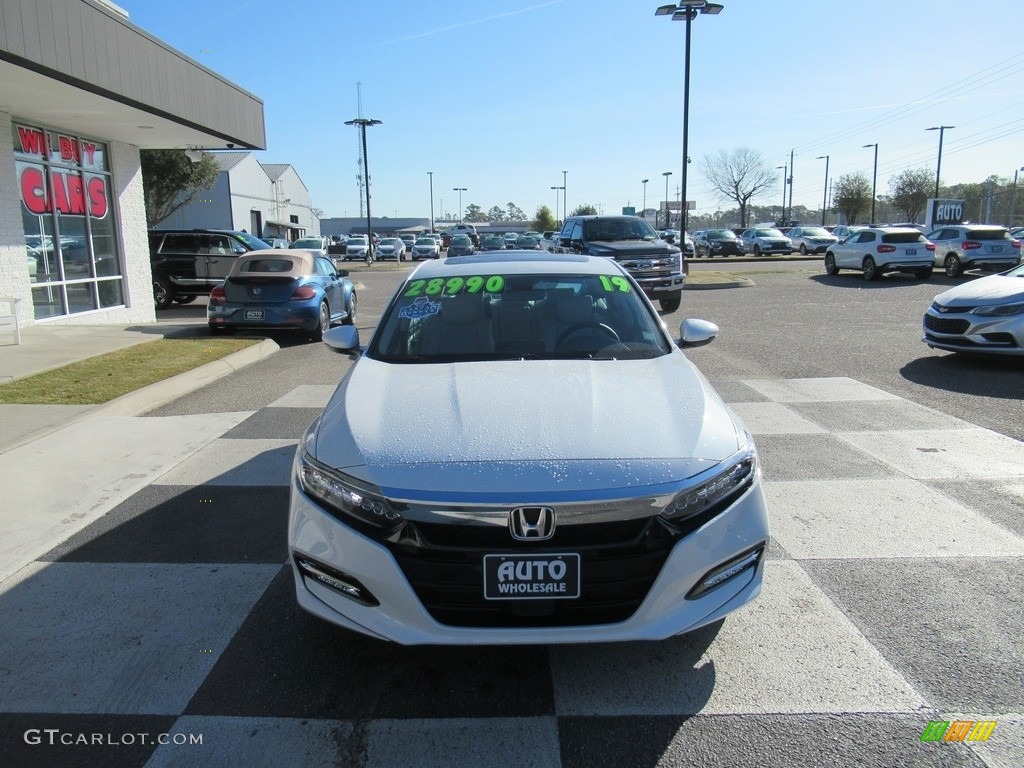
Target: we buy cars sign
x=72 y=193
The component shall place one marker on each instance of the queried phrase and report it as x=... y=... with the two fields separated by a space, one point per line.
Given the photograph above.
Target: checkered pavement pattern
x=891 y=598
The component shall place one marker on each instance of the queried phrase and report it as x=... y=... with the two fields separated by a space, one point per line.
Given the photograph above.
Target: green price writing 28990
x=453 y=285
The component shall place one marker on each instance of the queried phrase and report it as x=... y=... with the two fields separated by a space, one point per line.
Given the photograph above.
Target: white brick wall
x=14 y=278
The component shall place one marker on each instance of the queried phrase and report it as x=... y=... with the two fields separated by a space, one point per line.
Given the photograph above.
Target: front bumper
x=965 y=332
x=400 y=616
x=662 y=285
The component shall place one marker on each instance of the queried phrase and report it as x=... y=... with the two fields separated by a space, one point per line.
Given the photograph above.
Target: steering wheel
x=591 y=325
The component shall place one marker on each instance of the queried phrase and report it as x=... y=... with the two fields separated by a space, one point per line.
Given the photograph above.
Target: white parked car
x=391 y=248
x=426 y=248
x=843 y=231
x=315 y=244
x=357 y=247
x=765 y=241
x=980 y=316
x=876 y=250
x=974 y=246
x=811 y=239
x=431 y=505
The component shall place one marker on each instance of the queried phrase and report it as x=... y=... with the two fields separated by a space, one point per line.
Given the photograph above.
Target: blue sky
x=500 y=98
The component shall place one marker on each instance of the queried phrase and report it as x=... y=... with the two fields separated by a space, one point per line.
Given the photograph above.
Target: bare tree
x=738 y=175
x=851 y=195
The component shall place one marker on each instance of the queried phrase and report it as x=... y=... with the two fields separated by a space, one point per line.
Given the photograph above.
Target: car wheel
x=184 y=299
x=870 y=269
x=671 y=304
x=830 y=265
x=351 y=318
x=163 y=293
x=324 y=322
x=953 y=266
x=757 y=250
x=923 y=274
x=803 y=249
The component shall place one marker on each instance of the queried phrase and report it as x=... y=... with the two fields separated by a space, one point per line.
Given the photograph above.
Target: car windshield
x=768 y=233
x=610 y=230
x=904 y=237
x=307 y=243
x=360 y=240
x=475 y=315
x=988 y=234
x=461 y=240
x=814 y=232
x=721 y=234
x=393 y=241
x=527 y=242
x=425 y=241
x=253 y=242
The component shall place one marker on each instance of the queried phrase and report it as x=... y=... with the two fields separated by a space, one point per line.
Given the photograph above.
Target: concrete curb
x=726 y=281
x=159 y=393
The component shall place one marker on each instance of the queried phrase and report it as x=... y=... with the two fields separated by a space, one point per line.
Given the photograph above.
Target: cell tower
x=361 y=179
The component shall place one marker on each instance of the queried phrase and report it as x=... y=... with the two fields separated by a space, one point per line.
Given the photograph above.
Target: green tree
x=909 y=190
x=851 y=196
x=584 y=210
x=515 y=213
x=496 y=213
x=739 y=175
x=475 y=213
x=544 y=220
x=171 y=181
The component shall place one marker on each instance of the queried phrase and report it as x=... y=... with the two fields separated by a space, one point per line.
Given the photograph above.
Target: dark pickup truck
x=657 y=266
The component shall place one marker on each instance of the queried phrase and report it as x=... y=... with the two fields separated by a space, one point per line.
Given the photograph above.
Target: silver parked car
x=980 y=316
x=811 y=239
x=876 y=250
x=762 y=241
x=843 y=231
x=974 y=246
x=481 y=476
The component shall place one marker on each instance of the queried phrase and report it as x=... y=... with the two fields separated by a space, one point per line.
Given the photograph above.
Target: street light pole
x=686 y=10
x=362 y=122
x=666 y=174
x=431 y=175
x=643 y=211
x=785 y=177
x=556 y=201
x=824 y=195
x=874 y=181
x=460 y=190
x=938 y=166
x=789 y=216
x=565 y=200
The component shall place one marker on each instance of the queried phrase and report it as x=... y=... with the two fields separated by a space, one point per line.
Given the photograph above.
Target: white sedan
x=981 y=316
x=480 y=475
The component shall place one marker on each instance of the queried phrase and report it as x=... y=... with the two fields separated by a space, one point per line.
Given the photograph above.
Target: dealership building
x=82 y=90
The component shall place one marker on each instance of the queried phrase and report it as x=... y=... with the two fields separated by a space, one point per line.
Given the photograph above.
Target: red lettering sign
x=69 y=193
x=68 y=148
x=33 y=193
x=32 y=141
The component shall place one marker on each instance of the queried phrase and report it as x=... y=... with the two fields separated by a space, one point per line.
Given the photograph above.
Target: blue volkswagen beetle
x=282 y=289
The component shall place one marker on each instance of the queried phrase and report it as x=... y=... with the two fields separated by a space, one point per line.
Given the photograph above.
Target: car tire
x=163 y=293
x=221 y=330
x=671 y=304
x=952 y=266
x=870 y=269
x=803 y=249
x=323 y=323
x=350 y=319
x=830 y=265
x=923 y=274
x=757 y=251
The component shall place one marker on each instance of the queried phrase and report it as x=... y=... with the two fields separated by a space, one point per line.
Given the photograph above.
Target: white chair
x=10 y=317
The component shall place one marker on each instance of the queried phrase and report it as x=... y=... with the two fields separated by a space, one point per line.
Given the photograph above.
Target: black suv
x=187 y=263
x=657 y=266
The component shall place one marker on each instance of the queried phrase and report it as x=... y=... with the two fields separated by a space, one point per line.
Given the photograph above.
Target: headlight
x=341 y=493
x=726 y=481
x=1000 y=310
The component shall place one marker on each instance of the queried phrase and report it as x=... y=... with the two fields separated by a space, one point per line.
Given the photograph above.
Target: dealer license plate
x=254 y=314
x=531 y=577
x=997 y=249
x=911 y=251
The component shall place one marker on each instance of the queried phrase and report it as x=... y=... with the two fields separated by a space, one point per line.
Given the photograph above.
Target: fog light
x=723 y=573
x=336 y=580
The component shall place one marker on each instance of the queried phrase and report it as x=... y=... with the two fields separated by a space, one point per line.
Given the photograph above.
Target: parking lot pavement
x=890 y=602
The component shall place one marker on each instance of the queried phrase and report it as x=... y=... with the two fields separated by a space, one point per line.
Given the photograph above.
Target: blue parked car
x=282 y=289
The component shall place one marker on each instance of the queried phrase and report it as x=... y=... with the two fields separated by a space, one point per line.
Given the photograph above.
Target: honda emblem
x=532 y=523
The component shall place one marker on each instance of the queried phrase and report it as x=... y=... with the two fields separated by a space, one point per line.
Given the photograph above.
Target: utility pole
x=361 y=181
x=789 y=216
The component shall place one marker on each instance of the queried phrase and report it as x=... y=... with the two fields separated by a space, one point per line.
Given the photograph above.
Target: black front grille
x=619 y=562
x=950 y=325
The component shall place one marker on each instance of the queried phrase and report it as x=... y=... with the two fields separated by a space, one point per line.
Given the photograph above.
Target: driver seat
x=570 y=309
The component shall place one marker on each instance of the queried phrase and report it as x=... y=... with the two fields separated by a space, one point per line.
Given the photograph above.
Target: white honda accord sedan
x=523 y=454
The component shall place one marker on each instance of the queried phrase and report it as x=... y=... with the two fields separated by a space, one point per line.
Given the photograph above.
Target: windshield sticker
x=421 y=307
x=612 y=284
x=455 y=285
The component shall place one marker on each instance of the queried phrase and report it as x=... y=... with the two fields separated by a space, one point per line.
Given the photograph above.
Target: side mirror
x=696 y=333
x=343 y=338
x=342 y=273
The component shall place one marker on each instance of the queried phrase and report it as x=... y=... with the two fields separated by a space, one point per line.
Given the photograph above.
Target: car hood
x=630 y=249
x=525 y=429
x=998 y=289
